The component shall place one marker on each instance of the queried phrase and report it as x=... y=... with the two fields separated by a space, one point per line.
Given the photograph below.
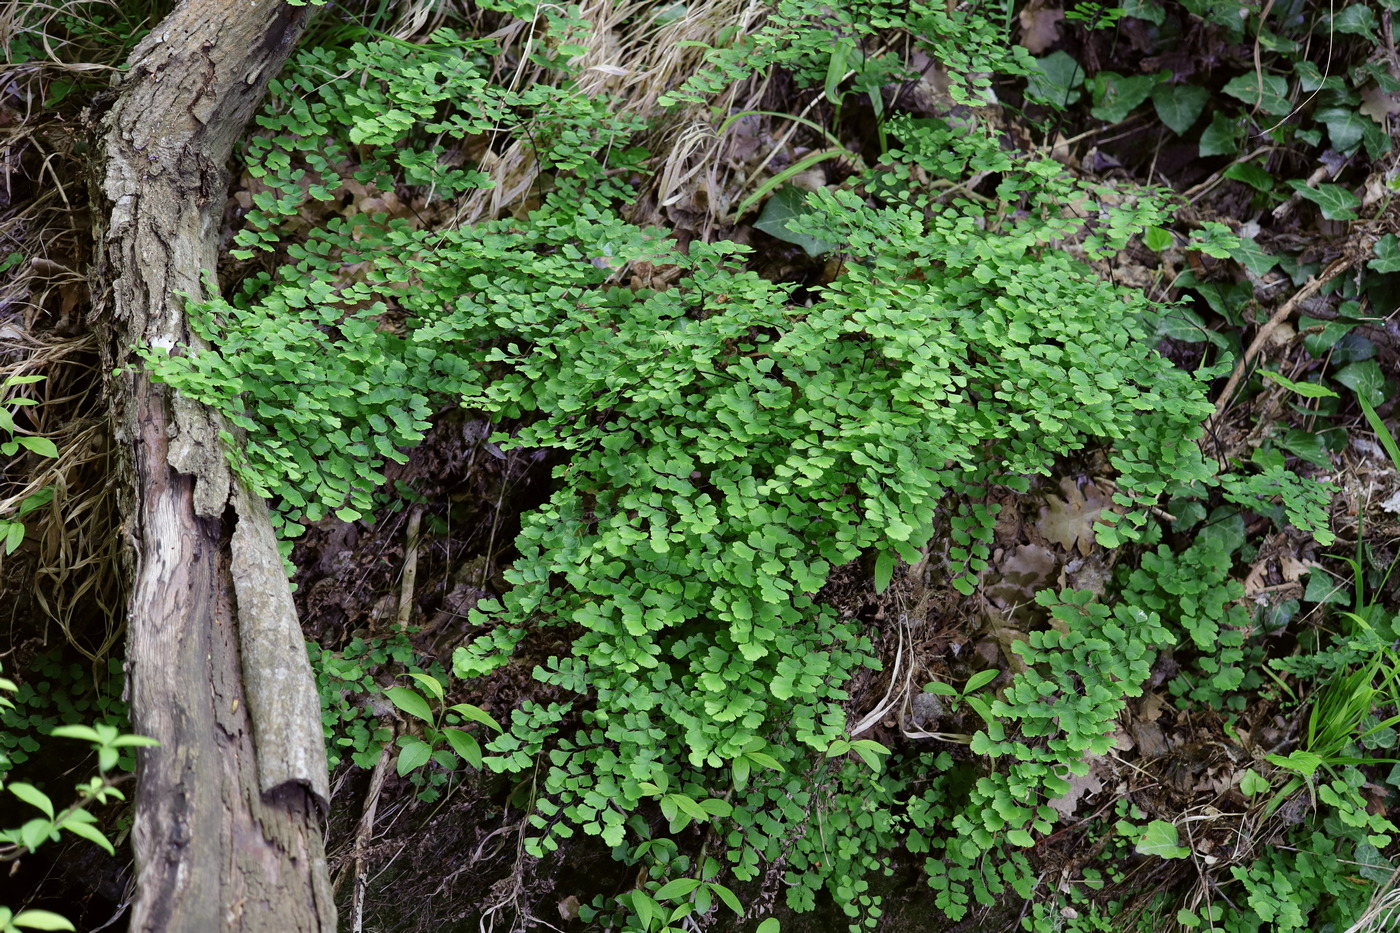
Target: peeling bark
x=229 y=806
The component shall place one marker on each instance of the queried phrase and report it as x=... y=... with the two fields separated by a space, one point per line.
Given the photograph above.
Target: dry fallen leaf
x=1069 y=522
x=1040 y=27
x=1079 y=786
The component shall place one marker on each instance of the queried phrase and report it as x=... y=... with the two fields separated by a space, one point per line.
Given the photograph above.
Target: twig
x=362 y=837
x=1309 y=289
x=410 y=567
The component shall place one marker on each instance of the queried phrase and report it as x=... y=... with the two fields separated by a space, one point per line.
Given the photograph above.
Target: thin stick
x=362 y=836
x=1309 y=289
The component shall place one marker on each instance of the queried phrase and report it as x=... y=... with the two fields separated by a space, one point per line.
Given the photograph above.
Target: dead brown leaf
x=1069 y=522
x=1040 y=26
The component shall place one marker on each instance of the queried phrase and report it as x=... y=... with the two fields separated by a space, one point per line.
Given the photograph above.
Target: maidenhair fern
x=729 y=442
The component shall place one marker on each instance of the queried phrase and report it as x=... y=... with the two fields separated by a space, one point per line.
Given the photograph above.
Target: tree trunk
x=229 y=806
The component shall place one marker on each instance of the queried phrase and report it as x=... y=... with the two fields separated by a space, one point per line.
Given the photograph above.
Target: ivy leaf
x=1179 y=106
x=1365 y=379
x=1251 y=175
x=1056 y=81
x=1387 y=254
x=787 y=204
x=1336 y=202
x=1115 y=96
x=1249 y=255
x=1268 y=93
x=1346 y=127
x=1221 y=137
x=1160 y=838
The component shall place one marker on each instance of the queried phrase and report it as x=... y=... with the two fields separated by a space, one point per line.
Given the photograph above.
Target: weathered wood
x=229 y=807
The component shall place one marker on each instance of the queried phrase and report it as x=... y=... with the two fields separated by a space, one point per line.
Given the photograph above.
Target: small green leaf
x=1179 y=106
x=1336 y=202
x=1345 y=127
x=32 y=796
x=677 y=888
x=429 y=683
x=1305 y=389
x=1115 y=95
x=413 y=754
x=1249 y=255
x=1157 y=238
x=1251 y=175
x=1268 y=93
x=1056 y=81
x=769 y=925
x=1252 y=783
x=980 y=680
x=1387 y=254
x=39 y=445
x=1160 y=838
x=787 y=204
x=41 y=920
x=884 y=570
x=1222 y=137
x=475 y=714
x=411 y=702
x=465 y=745
x=1365 y=379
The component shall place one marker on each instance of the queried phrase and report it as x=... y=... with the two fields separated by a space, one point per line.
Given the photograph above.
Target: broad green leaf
x=413 y=754
x=731 y=900
x=475 y=714
x=645 y=908
x=465 y=745
x=1336 y=202
x=1249 y=255
x=1251 y=175
x=1365 y=379
x=1222 y=137
x=32 y=796
x=1157 y=238
x=884 y=570
x=1358 y=19
x=42 y=919
x=788 y=203
x=980 y=679
x=429 y=683
x=90 y=833
x=1161 y=838
x=769 y=925
x=1345 y=126
x=1252 y=783
x=1115 y=96
x=741 y=772
x=1267 y=92
x=677 y=888
x=1387 y=254
x=1179 y=106
x=1305 y=389
x=40 y=445
x=1056 y=81
x=411 y=702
